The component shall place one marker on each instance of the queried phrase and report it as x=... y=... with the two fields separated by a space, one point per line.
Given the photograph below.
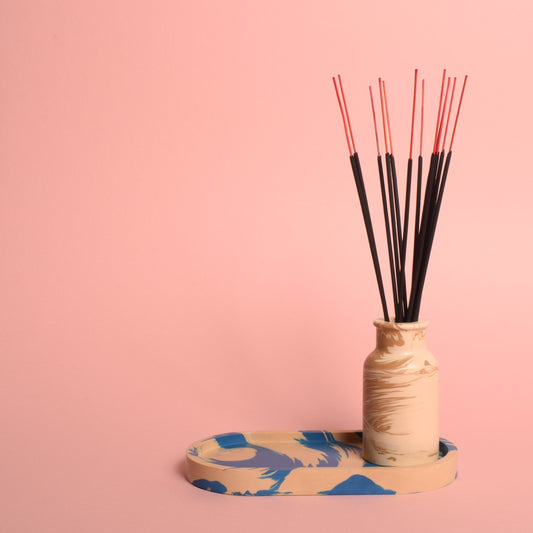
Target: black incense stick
x=392 y=205
x=369 y=229
x=419 y=170
x=407 y=205
x=358 y=176
x=385 y=209
x=408 y=181
x=393 y=171
x=428 y=206
x=402 y=291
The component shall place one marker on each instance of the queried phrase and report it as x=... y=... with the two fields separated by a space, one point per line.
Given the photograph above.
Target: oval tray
x=264 y=463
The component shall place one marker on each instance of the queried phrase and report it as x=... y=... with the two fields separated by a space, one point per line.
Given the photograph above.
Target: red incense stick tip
x=422 y=118
x=343 y=117
x=457 y=115
x=449 y=114
x=374 y=117
x=383 y=115
x=413 y=117
x=441 y=120
x=347 y=115
x=388 y=120
x=435 y=147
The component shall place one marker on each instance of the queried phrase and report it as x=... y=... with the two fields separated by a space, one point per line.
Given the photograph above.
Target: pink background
x=183 y=253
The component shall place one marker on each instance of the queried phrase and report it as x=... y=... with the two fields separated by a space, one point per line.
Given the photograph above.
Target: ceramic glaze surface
x=306 y=462
x=400 y=397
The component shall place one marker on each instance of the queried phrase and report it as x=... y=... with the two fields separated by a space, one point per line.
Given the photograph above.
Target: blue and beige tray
x=264 y=463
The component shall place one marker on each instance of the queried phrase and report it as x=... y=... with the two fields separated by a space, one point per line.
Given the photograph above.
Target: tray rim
x=196 y=458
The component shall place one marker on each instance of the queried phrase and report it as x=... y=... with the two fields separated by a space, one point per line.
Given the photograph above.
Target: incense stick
x=392 y=204
x=420 y=165
x=402 y=291
x=385 y=210
x=358 y=176
x=407 y=205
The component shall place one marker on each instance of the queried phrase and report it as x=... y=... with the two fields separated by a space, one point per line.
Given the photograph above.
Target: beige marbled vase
x=400 y=397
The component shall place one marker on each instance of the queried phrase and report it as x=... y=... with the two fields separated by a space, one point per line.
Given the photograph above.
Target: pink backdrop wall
x=183 y=254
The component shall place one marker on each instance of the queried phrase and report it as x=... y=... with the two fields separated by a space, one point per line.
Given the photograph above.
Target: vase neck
x=401 y=337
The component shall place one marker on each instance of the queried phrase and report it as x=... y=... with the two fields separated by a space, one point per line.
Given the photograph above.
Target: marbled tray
x=262 y=463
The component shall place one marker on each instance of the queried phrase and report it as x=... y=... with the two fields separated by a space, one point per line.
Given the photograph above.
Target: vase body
x=400 y=397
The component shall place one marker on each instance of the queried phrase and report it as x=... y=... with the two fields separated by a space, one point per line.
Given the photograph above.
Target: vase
x=400 y=397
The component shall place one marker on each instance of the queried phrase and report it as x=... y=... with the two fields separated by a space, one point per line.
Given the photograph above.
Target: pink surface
x=183 y=254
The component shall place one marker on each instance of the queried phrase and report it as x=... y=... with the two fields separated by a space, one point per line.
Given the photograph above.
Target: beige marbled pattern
x=400 y=397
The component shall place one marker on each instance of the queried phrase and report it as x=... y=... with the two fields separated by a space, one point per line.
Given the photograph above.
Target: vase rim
x=403 y=326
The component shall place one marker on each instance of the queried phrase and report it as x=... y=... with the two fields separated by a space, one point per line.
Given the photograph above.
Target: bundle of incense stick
x=428 y=196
